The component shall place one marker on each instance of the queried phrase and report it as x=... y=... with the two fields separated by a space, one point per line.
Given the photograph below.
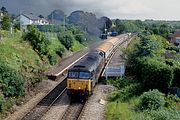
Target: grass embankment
x=21 y=67
x=19 y=55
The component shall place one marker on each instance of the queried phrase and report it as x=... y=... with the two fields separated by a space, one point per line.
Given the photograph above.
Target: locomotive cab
x=83 y=76
x=79 y=83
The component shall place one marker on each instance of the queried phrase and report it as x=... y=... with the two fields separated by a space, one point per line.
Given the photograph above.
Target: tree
x=120 y=27
x=164 y=30
x=37 y=40
x=17 y=24
x=149 y=47
x=6 y=22
x=3 y=9
x=67 y=39
x=41 y=16
x=77 y=33
x=153 y=73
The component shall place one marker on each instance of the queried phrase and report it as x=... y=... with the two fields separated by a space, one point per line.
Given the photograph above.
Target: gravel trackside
x=94 y=110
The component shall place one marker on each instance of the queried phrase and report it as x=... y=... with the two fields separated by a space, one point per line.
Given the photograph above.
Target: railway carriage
x=106 y=48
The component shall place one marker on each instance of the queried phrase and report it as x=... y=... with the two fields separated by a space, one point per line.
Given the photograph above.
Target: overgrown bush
x=66 y=39
x=1 y=103
x=80 y=38
x=130 y=91
x=151 y=100
x=52 y=59
x=171 y=101
x=37 y=40
x=154 y=74
x=114 y=95
x=12 y=82
x=60 y=51
x=176 y=80
x=127 y=89
x=164 y=114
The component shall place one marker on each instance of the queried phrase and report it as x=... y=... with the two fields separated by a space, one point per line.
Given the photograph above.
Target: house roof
x=30 y=16
x=177 y=32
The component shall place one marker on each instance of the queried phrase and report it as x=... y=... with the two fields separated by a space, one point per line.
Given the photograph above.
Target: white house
x=1 y=14
x=30 y=19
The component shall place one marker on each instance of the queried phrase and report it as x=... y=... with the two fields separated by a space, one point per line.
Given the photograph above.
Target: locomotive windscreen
x=73 y=74
x=84 y=75
x=80 y=75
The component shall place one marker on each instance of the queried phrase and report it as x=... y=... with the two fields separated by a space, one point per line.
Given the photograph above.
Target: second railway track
x=73 y=112
x=45 y=104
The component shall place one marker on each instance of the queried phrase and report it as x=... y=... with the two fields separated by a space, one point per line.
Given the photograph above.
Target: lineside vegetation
x=151 y=70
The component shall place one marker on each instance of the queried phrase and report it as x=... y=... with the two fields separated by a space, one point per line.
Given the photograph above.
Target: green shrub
x=1 y=103
x=66 y=39
x=8 y=105
x=52 y=59
x=80 y=37
x=154 y=74
x=37 y=40
x=130 y=91
x=152 y=100
x=114 y=95
x=60 y=51
x=121 y=82
x=176 y=81
x=163 y=114
x=172 y=101
x=127 y=88
x=12 y=82
x=141 y=116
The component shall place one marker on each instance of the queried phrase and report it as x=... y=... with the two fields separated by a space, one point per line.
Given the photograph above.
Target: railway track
x=45 y=104
x=73 y=112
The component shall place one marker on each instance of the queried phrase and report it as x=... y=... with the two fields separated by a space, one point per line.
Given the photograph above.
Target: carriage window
x=84 y=75
x=73 y=74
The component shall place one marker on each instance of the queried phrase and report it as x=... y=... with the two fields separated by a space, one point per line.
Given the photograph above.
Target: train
x=84 y=75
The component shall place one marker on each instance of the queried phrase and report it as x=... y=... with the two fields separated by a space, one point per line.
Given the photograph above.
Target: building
x=1 y=14
x=30 y=19
x=175 y=37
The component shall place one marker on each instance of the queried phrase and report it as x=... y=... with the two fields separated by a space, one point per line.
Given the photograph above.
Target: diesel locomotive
x=83 y=76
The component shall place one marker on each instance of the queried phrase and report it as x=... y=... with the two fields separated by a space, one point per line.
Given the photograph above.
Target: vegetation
x=66 y=39
x=152 y=100
x=6 y=22
x=23 y=59
x=151 y=105
x=151 y=71
x=12 y=82
x=37 y=40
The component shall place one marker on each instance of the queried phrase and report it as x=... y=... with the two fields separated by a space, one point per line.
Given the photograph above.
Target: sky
x=122 y=9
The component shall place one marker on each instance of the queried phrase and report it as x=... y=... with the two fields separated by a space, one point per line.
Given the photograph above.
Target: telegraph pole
x=64 y=23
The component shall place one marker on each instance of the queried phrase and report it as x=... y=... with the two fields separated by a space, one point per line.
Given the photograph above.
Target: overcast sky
x=123 y=9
